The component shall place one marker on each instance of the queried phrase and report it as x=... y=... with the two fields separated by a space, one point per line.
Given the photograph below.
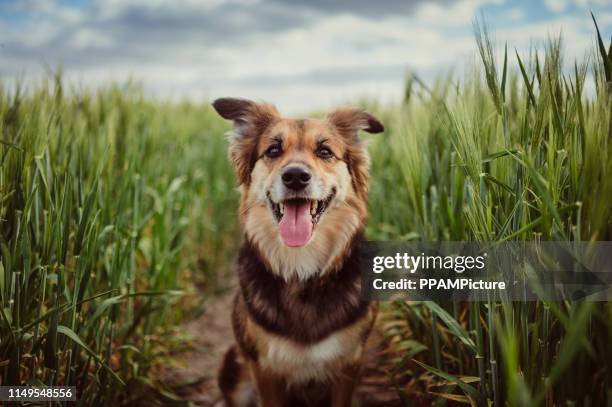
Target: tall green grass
x=114 y=207
x=111 y=207
x=521 y=154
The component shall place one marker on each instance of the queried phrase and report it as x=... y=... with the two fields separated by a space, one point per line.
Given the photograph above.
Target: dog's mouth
x=297 y=217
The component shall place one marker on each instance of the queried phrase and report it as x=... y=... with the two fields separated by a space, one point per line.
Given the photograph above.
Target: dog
x=299 y=321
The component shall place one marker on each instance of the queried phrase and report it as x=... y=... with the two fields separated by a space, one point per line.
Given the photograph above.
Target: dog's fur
x=298 y=318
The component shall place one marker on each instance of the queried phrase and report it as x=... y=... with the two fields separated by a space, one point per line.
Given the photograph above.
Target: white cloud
x=556 y=6
x=458 y=13
x=515 y=14
x=88 y=38
x=592 y=3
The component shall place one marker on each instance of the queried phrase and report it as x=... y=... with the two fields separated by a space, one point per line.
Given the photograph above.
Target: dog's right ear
x=250 y=121
x=233 y=109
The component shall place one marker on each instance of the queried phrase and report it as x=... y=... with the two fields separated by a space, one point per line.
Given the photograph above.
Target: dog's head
x=303 y=181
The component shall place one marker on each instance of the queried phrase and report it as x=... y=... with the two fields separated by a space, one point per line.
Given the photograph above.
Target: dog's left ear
x=349 y=121
x=250 y=119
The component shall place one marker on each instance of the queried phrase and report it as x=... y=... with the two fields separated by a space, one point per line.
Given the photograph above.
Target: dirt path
x=195 y=379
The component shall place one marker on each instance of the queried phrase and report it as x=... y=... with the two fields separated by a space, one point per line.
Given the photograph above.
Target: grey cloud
x=363 y=8
x=26 y=6
x=225 y=22
x=145 y=34
x=337 y=76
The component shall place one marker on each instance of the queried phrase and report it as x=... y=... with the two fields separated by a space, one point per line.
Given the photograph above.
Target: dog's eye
x=324 y=152
x=273 y=151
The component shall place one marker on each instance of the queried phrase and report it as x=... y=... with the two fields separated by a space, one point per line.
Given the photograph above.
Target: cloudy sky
x=298 y=54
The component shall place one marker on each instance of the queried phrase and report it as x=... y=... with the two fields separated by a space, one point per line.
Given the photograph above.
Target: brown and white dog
x=299 y=320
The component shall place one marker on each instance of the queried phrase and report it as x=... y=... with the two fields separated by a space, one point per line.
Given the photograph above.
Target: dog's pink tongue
x=296 y=225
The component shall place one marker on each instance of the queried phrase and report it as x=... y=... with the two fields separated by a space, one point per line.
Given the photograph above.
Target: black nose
x=296 y=178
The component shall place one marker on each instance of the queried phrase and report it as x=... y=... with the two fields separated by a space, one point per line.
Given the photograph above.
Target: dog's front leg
x=272 y=390
x=344 y=385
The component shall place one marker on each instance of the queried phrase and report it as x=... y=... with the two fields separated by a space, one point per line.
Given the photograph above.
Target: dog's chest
x=317 y=361
x=307 y=312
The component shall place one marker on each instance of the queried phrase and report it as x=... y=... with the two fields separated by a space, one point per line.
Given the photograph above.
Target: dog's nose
x=296 y=178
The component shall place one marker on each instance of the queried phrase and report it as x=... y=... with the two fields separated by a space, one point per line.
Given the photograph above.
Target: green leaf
x=105 y=305
x=452 y=324
x=51 y=342
x=1 y=282
x=469 y=391
x=493 y=156
x=64 y=330
x=528 y=83
x=9 y=144
x=602 y=50
x=504 y=73
x=87 y=209
x=572 y=343
x=452 y=397
x=494 y=180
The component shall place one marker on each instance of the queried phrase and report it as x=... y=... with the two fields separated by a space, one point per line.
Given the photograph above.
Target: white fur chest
x=300 y=363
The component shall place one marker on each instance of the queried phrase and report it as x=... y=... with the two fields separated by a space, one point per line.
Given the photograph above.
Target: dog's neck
x=318 y=259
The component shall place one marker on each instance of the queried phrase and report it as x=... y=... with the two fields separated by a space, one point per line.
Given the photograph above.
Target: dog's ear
x=349 y=121
x=250 y=121
x=233 y=109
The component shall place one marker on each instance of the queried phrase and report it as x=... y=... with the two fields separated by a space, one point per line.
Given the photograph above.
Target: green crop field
x=118 y=218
